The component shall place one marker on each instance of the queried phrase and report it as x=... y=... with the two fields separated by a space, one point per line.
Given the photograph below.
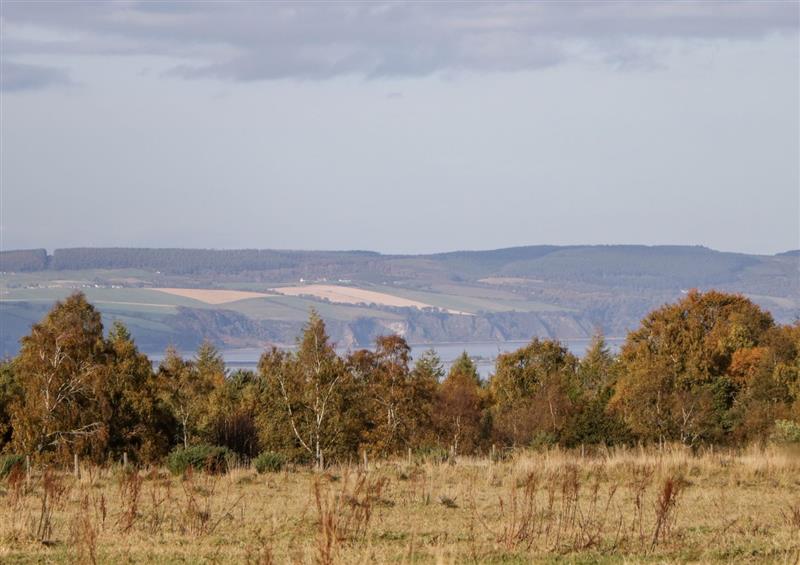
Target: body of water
x=483 y=353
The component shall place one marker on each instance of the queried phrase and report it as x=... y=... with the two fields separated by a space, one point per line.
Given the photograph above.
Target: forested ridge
x=624 y=265
x=712 y=368
x=176 y=261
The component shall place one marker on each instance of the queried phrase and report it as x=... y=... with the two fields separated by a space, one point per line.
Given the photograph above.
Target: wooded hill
x=638 y=265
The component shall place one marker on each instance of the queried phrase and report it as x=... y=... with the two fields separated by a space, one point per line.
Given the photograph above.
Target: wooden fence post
x=125 y=460
x=366 y=464
x=76 y=466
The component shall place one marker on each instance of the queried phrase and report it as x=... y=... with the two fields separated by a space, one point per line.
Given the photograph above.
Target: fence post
x=366 y=464
x=125 y=460
x=28 y=469
x=76 y=465
x=409 y=456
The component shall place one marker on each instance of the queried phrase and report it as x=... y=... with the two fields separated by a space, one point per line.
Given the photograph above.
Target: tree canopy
x=711 y=368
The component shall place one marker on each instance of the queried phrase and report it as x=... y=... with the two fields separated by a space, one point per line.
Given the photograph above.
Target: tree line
x=180 y=261
x=23 y=260
x=712 y=368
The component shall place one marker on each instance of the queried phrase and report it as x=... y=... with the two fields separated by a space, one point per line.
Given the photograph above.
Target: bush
x=432 y=454
x=238 y=432
x=269 y=462
x=8 y=462
x=786 y=431
x=209 y=458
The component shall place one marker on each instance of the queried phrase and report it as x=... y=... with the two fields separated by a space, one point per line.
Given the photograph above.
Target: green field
x=472 y=300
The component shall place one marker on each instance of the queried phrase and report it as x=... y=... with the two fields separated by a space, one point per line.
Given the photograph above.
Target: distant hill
x=23 y=260
x=678 y=264
x=511 y=293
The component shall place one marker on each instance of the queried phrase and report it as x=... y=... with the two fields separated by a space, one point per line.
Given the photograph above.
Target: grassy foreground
x=617 y=506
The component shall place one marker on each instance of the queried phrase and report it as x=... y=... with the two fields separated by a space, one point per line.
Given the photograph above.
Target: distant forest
x=174 y=261
x=618 y=265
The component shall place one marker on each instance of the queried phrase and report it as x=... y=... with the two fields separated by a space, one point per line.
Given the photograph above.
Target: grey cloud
x=18 y=76
x=264 y=40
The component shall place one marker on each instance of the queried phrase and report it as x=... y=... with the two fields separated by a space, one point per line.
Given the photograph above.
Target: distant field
x=290 y=304
x=474 y=300
x=210 y=296
x=296 y=308
x=352 y=295
x=150 y=298
x=508 y=280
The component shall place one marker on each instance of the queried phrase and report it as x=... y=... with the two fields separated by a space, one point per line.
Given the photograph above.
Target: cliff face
x=235 y=330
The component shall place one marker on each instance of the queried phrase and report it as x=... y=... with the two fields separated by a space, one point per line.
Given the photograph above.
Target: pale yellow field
x=212 y=296
x=350 y=295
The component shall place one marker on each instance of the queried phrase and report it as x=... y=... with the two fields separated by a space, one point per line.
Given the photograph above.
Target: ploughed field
x=613 y=506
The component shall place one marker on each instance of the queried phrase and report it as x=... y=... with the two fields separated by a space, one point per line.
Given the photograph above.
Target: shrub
x=433 y=454
x=209 y=458
x=786 y=431
x=8 y=462
x=238 y=432
x=269 y=462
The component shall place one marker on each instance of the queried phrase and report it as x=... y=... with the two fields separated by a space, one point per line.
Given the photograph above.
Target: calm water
x=483 y=353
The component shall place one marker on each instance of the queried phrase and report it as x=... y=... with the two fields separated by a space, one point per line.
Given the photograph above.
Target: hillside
x=505 y=294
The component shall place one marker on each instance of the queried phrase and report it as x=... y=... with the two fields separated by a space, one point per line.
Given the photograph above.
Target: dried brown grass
x=617 y=505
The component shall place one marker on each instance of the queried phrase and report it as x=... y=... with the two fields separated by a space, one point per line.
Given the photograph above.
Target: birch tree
x=313 y=391
x=57 y=366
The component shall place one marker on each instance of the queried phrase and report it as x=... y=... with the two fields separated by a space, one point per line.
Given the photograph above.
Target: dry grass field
x=621 y=506
x=351 y=295
x=212 y=296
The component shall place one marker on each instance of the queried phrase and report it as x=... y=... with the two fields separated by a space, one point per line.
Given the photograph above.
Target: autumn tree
x=399 y=401
x=234 y=408
x=423 y=389
x=767 y=383
x=58 y=364
x=313 y=392
x=461 y=401
x=590 y=420
x=682 y=370
x=10 y=391
x=533 y=390
x=134 y=419
x=188 y=389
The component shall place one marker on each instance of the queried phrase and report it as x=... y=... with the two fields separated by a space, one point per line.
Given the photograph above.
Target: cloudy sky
x=400 y=127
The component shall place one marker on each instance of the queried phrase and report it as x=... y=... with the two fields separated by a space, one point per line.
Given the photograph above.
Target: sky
x=399 y=127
